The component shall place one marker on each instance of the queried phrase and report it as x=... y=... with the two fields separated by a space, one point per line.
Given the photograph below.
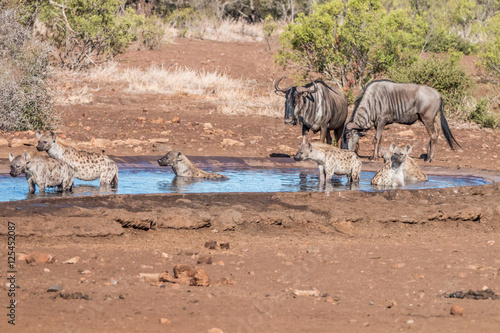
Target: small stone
x=224 y=246
x=410 y=321
x=166 y=277
x=46 y=270
x=313 y=292
x=151 y=277
x=175 y=120
x=226 y=281
x=184 y=201
x=38 y=257
x=211 y=245
x=231 y=143
x=392 y=305
x=205 y=260
x=353 y=321
x=183 y=270
x=215 y=330
x=54 y=288
x=200 y=278
x=165 y=321
x=313 y=249
x=456 y=310
x=86 y=272
x=419 y=276
x=329 y=299
x=73 y=260
x=398 y=265
x=141 y=119
x=166 y=255
x=220 y=263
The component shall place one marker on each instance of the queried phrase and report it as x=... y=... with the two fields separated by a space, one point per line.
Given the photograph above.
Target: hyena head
x=304 y=152
x=18 y=163
x=398 y=155
x=45 y=140
x=171 y=158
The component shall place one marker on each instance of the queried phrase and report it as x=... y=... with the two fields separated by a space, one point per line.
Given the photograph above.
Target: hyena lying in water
x=184 y=168
x=88 y=166
x=331 y=161
x=398 y=169
x=42 y=171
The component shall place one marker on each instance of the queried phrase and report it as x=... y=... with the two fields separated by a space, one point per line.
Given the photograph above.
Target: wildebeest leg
x=432 y=126
x=304 y=135
x=325 y=133
x=338 y=135
x=328 y=136
x=378 y=137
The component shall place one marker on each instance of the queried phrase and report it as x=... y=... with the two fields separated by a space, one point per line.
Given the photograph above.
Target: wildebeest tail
x=446 y=130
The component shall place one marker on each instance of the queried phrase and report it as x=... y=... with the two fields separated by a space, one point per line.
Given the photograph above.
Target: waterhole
x=162 y=180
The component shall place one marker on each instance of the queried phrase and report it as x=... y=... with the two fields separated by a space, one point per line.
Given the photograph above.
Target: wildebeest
x=317 y=106
x=385 y=102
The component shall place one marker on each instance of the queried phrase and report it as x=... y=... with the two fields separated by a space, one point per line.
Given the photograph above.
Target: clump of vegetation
x=483 y=116
x=490 y=55
x=150 y=32
x=443 y=74
x=25 y=103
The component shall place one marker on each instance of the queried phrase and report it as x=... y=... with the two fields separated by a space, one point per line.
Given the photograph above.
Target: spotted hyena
x=392 y=174
x=183 y=167
x=88 y=166
x=42 y=171
x=412 y=171
x=331 y=161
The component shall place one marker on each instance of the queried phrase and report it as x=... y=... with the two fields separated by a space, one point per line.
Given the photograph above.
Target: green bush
x=87 y=32
x=25 y=103
x=350 y=42
x=490 y=55
x=150 y=32
x=443 y=74
x=483 y=116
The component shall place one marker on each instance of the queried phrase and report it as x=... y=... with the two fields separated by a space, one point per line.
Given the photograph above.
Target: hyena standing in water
x=88 y=166
x=331 y=161
x=42 y=171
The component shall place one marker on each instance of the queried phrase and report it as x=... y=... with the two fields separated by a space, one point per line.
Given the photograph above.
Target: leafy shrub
x=25 y=103
x=483 y=116
x=443 y=74
x=350 y=42
x=88 y=32
x=150 y=32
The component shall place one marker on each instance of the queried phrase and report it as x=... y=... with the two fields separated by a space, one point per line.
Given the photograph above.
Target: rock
x=228 y=220
x=175 y=120
x=86 y=272
x=137 y=149
x=181 y=270
x=208 y=126
x=133 y=142
x=22 y=256
x=162 y=147
x=73 y=260
x=158 y=120
x=4 y=142
x=220 y=263
x=329 y=299
x=205 y=260
x=141 y=119
x=314 y=292
x=224 y=246
x=150 y=277
x=38 y=257
x=286 y=150
x=398 y=265
x=456 y=310
x=165 y=321
x=200 y=279
x=103 y=143
x=211 y=245
x=231 y=143
x=46 y=270
x=166 y=277
x=226 y=281
x=215 y=330
x=313 y=249
x=392 y=305
x=184 y=201
x=54 y=288
x=166 y=255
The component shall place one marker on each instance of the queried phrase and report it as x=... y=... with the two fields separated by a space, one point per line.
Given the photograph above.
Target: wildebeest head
x=398 y=155
x=350 y=138
x=303 y=152
x=295 y=98
x=171 y=158
x=18 y=163
x=45 y=141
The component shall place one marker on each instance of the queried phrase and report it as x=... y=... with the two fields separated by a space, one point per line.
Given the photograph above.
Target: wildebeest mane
x=360 y=97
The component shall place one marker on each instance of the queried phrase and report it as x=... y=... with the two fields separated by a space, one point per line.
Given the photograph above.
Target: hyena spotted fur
x=331 y=161
x=392 y=174
x=42 y=171
x=412 y=171
x=88 y=166
x=183 y=167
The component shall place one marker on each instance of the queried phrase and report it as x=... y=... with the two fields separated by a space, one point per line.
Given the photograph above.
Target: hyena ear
x=408 y=149
x=383 y=151
x=38 y=134
x=309 y=146
x=179 y=156
x=53 y=135
x=26 y=156
x=392 y=148
x=11 y=157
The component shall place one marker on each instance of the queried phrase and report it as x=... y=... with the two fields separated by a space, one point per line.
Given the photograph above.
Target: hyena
x=42 y=171
x=183 y=167
x=331 y=161
x=88 y=166
x=412 y=171
x=392 y=174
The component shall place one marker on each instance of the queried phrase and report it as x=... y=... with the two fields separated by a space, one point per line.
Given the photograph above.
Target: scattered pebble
x=202 y=260
x=165 y=321
x=54 y=288
x=456 y=310
x=73 y=260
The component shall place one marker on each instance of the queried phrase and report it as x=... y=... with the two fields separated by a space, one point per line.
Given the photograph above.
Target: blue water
x=161 y=180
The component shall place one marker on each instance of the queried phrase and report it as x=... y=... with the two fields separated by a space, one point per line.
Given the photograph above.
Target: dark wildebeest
x=317 y=106
x=385 y=102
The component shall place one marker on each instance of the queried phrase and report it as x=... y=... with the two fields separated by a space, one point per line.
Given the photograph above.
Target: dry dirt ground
x=296 y=262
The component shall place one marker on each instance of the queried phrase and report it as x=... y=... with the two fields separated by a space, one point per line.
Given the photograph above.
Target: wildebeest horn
x=311 y=89
x=276 y=86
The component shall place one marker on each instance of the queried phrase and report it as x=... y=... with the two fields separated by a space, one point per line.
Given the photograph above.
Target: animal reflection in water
x=178 y=184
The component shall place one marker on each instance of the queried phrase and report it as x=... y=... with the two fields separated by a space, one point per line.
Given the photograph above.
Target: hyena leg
x=321 y=173
x=31 y=185
x=432 y=127
x=68 y=184
x=110 y=177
